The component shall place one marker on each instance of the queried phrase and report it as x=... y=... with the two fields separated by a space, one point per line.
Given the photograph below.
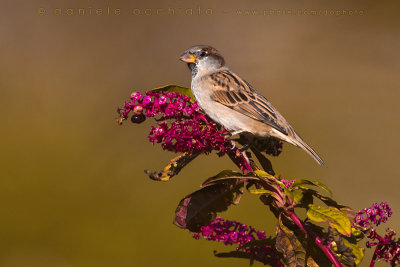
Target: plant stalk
x=243 y=163
x=317 y=240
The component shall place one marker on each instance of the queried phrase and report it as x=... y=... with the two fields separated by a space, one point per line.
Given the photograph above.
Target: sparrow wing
x=232 y=91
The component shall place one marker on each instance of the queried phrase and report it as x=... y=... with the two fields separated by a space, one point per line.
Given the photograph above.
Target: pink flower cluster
x=167 y=104
x=386 y=249
x=191 y=131
x=233 y=232
x=229 y=232
x=192 y=135
x=377 y=214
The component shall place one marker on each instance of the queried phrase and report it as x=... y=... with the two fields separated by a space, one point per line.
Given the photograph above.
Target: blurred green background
x=72 y=187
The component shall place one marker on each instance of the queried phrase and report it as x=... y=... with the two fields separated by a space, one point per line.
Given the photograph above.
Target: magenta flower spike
x=236 y=233
x=191 y=131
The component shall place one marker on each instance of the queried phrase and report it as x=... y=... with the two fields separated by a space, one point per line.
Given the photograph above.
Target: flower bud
x=137 y=110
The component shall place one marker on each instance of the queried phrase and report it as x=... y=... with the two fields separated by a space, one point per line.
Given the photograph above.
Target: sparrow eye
x=203 y=54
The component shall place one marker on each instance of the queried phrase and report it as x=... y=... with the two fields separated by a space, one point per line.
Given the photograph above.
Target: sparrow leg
x=246 y=141
x=242 y=149
x=234 y=140
x=245 y=147
x=243 y=140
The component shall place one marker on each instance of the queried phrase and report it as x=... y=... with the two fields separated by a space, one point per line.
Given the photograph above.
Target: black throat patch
x=192 y=68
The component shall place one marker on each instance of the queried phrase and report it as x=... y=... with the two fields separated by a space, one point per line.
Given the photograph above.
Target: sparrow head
x=202 y=57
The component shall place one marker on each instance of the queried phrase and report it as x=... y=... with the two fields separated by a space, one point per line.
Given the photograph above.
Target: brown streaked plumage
x=233 y=102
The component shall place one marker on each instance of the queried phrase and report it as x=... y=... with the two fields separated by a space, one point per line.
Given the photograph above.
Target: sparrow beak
x=188 y=58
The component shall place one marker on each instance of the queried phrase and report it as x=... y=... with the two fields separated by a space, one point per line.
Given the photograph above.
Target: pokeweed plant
x=329 y=234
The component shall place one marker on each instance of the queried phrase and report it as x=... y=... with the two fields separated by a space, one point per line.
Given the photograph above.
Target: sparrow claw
x=233 y=144
x=241 y=149
x=244 y=148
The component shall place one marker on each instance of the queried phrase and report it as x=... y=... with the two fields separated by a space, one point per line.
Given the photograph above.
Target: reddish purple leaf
x=201 y=207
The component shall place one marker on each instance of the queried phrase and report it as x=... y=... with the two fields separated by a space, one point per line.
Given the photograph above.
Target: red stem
x=241 y=160
x=374 y=256
x=243 y=163
x=317 y=241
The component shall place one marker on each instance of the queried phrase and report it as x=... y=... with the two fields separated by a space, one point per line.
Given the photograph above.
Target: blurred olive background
x=72 y=188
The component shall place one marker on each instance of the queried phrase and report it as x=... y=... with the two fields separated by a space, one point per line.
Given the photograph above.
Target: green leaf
x=334 y=217
x=262 y=174
x=264 y=161
x=201 y=207
x=313 y=254
x=357 y=252
x=259 y=191
x=272 y=181
x=223 y=176
x=308 y=182
x=289 y=246
x=264 y=188
x=358 y=235
x=327 y=200
x=174 y=166
x=297 y=196
x=346 y=248
x=269 y=179
x=177 y=89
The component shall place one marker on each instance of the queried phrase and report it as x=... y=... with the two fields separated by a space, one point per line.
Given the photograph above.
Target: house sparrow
x=234 y=103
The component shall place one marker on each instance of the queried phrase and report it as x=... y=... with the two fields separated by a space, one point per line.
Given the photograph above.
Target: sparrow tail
x=297 y=141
